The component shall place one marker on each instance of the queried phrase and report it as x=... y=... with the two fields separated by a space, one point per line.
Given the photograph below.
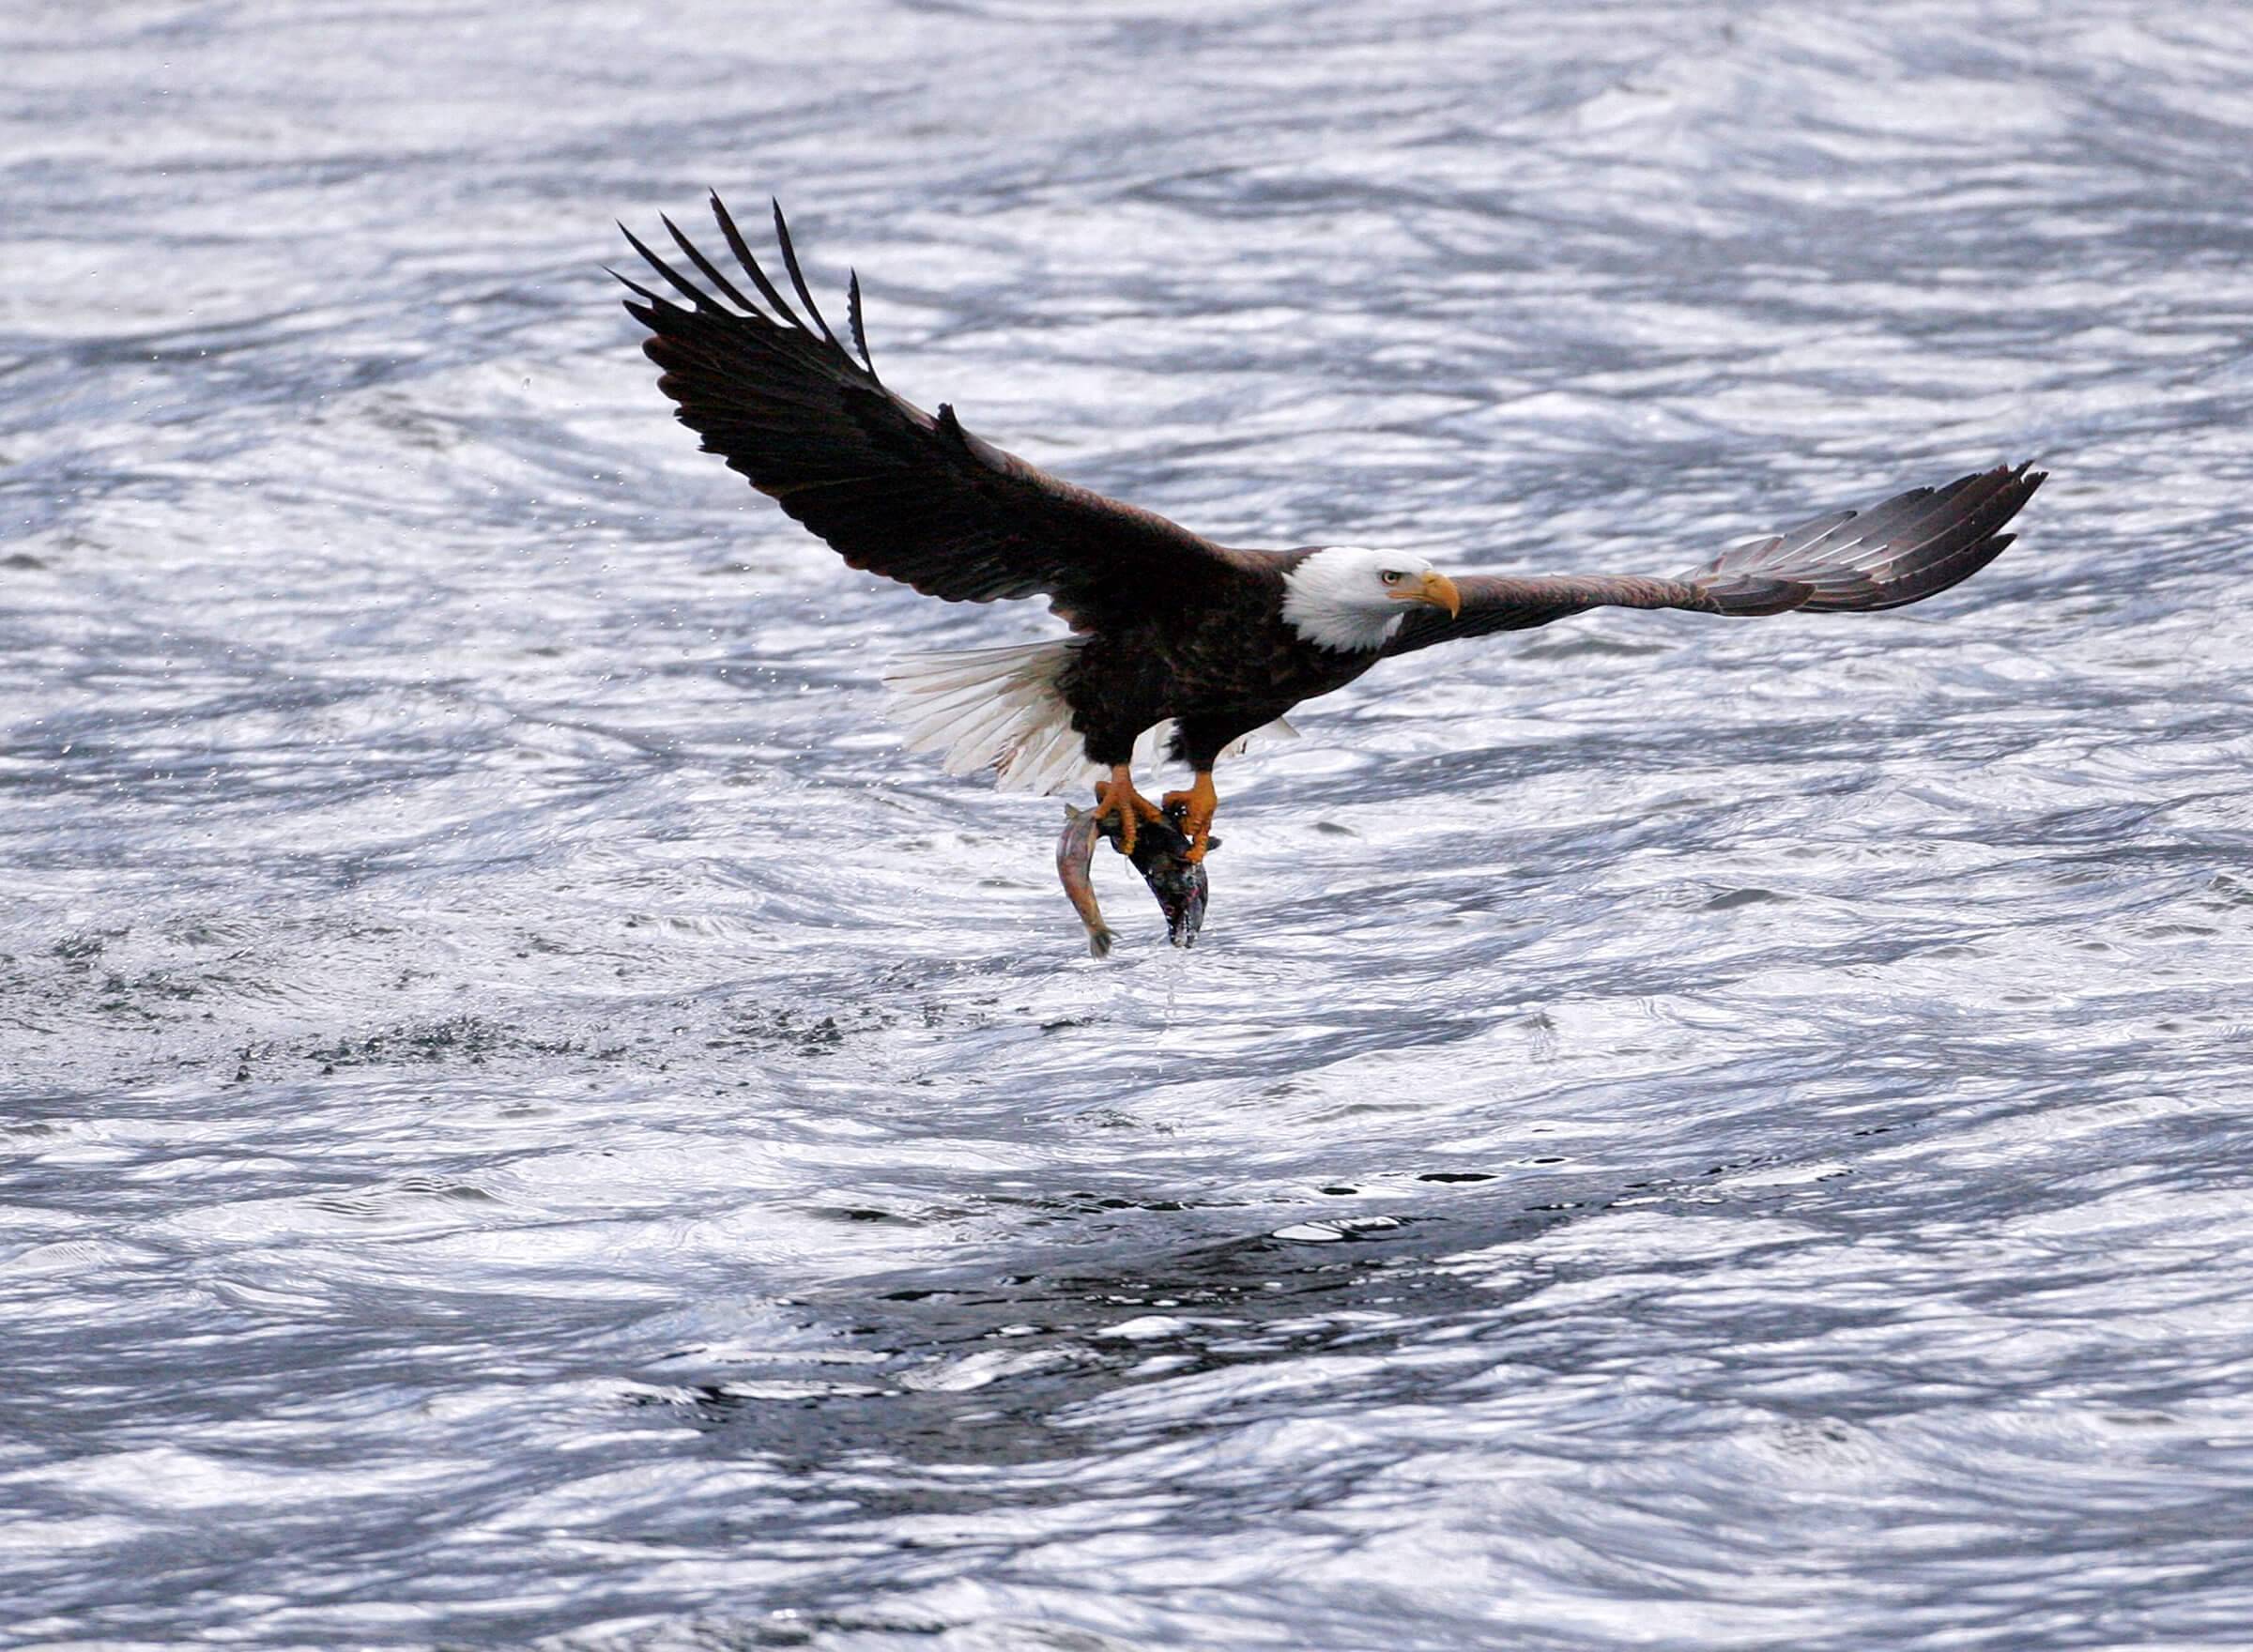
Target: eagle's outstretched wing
x=896 y=491
x=1911 y=546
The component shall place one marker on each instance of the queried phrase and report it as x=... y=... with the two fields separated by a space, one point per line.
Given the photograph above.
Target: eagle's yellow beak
x=1434 y=587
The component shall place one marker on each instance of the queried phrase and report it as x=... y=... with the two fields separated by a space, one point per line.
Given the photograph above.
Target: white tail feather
x=996 y=708
x=1001 y=709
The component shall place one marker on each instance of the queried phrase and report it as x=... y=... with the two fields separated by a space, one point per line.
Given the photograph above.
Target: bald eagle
x=1167 y=628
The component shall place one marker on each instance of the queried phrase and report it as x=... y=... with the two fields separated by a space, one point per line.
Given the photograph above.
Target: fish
x=1074 y=857
x=1179 y=885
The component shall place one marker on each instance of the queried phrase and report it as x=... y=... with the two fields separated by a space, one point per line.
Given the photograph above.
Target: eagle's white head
x=1349 y=597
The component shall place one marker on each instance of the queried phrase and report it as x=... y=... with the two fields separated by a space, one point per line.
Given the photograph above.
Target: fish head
x=1182 y=892
x=1179 y=886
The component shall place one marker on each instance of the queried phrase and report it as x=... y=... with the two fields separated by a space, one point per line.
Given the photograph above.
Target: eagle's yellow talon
x=1197 y=804
x=1117 y=798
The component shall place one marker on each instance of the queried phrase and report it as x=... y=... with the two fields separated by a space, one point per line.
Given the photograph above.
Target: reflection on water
x=530 y=1121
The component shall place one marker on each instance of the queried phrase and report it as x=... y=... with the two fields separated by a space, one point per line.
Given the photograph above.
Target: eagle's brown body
x=1217 y=673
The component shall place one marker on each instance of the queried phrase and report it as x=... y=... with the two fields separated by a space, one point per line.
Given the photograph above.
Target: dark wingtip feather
x=741 y=249
x=1944 y=572
x=712 y=271
x=678 y=282
x=852 y=320
x=1914 y=545
x=789 y=263
x=632 y=285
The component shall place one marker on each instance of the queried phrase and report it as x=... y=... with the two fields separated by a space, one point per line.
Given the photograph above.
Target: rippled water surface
x=528 y=1122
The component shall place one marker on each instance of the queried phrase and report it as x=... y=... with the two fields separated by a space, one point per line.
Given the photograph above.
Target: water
x=530 y=1124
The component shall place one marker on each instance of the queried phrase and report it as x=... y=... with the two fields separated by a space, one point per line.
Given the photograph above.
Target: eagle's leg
x=1201 y=800
x=1119 y=799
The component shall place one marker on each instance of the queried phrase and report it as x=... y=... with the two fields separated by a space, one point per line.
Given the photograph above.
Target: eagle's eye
x=1390 y=576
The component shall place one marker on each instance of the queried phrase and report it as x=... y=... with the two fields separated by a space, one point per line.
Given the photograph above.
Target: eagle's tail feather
x=1001 y=709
